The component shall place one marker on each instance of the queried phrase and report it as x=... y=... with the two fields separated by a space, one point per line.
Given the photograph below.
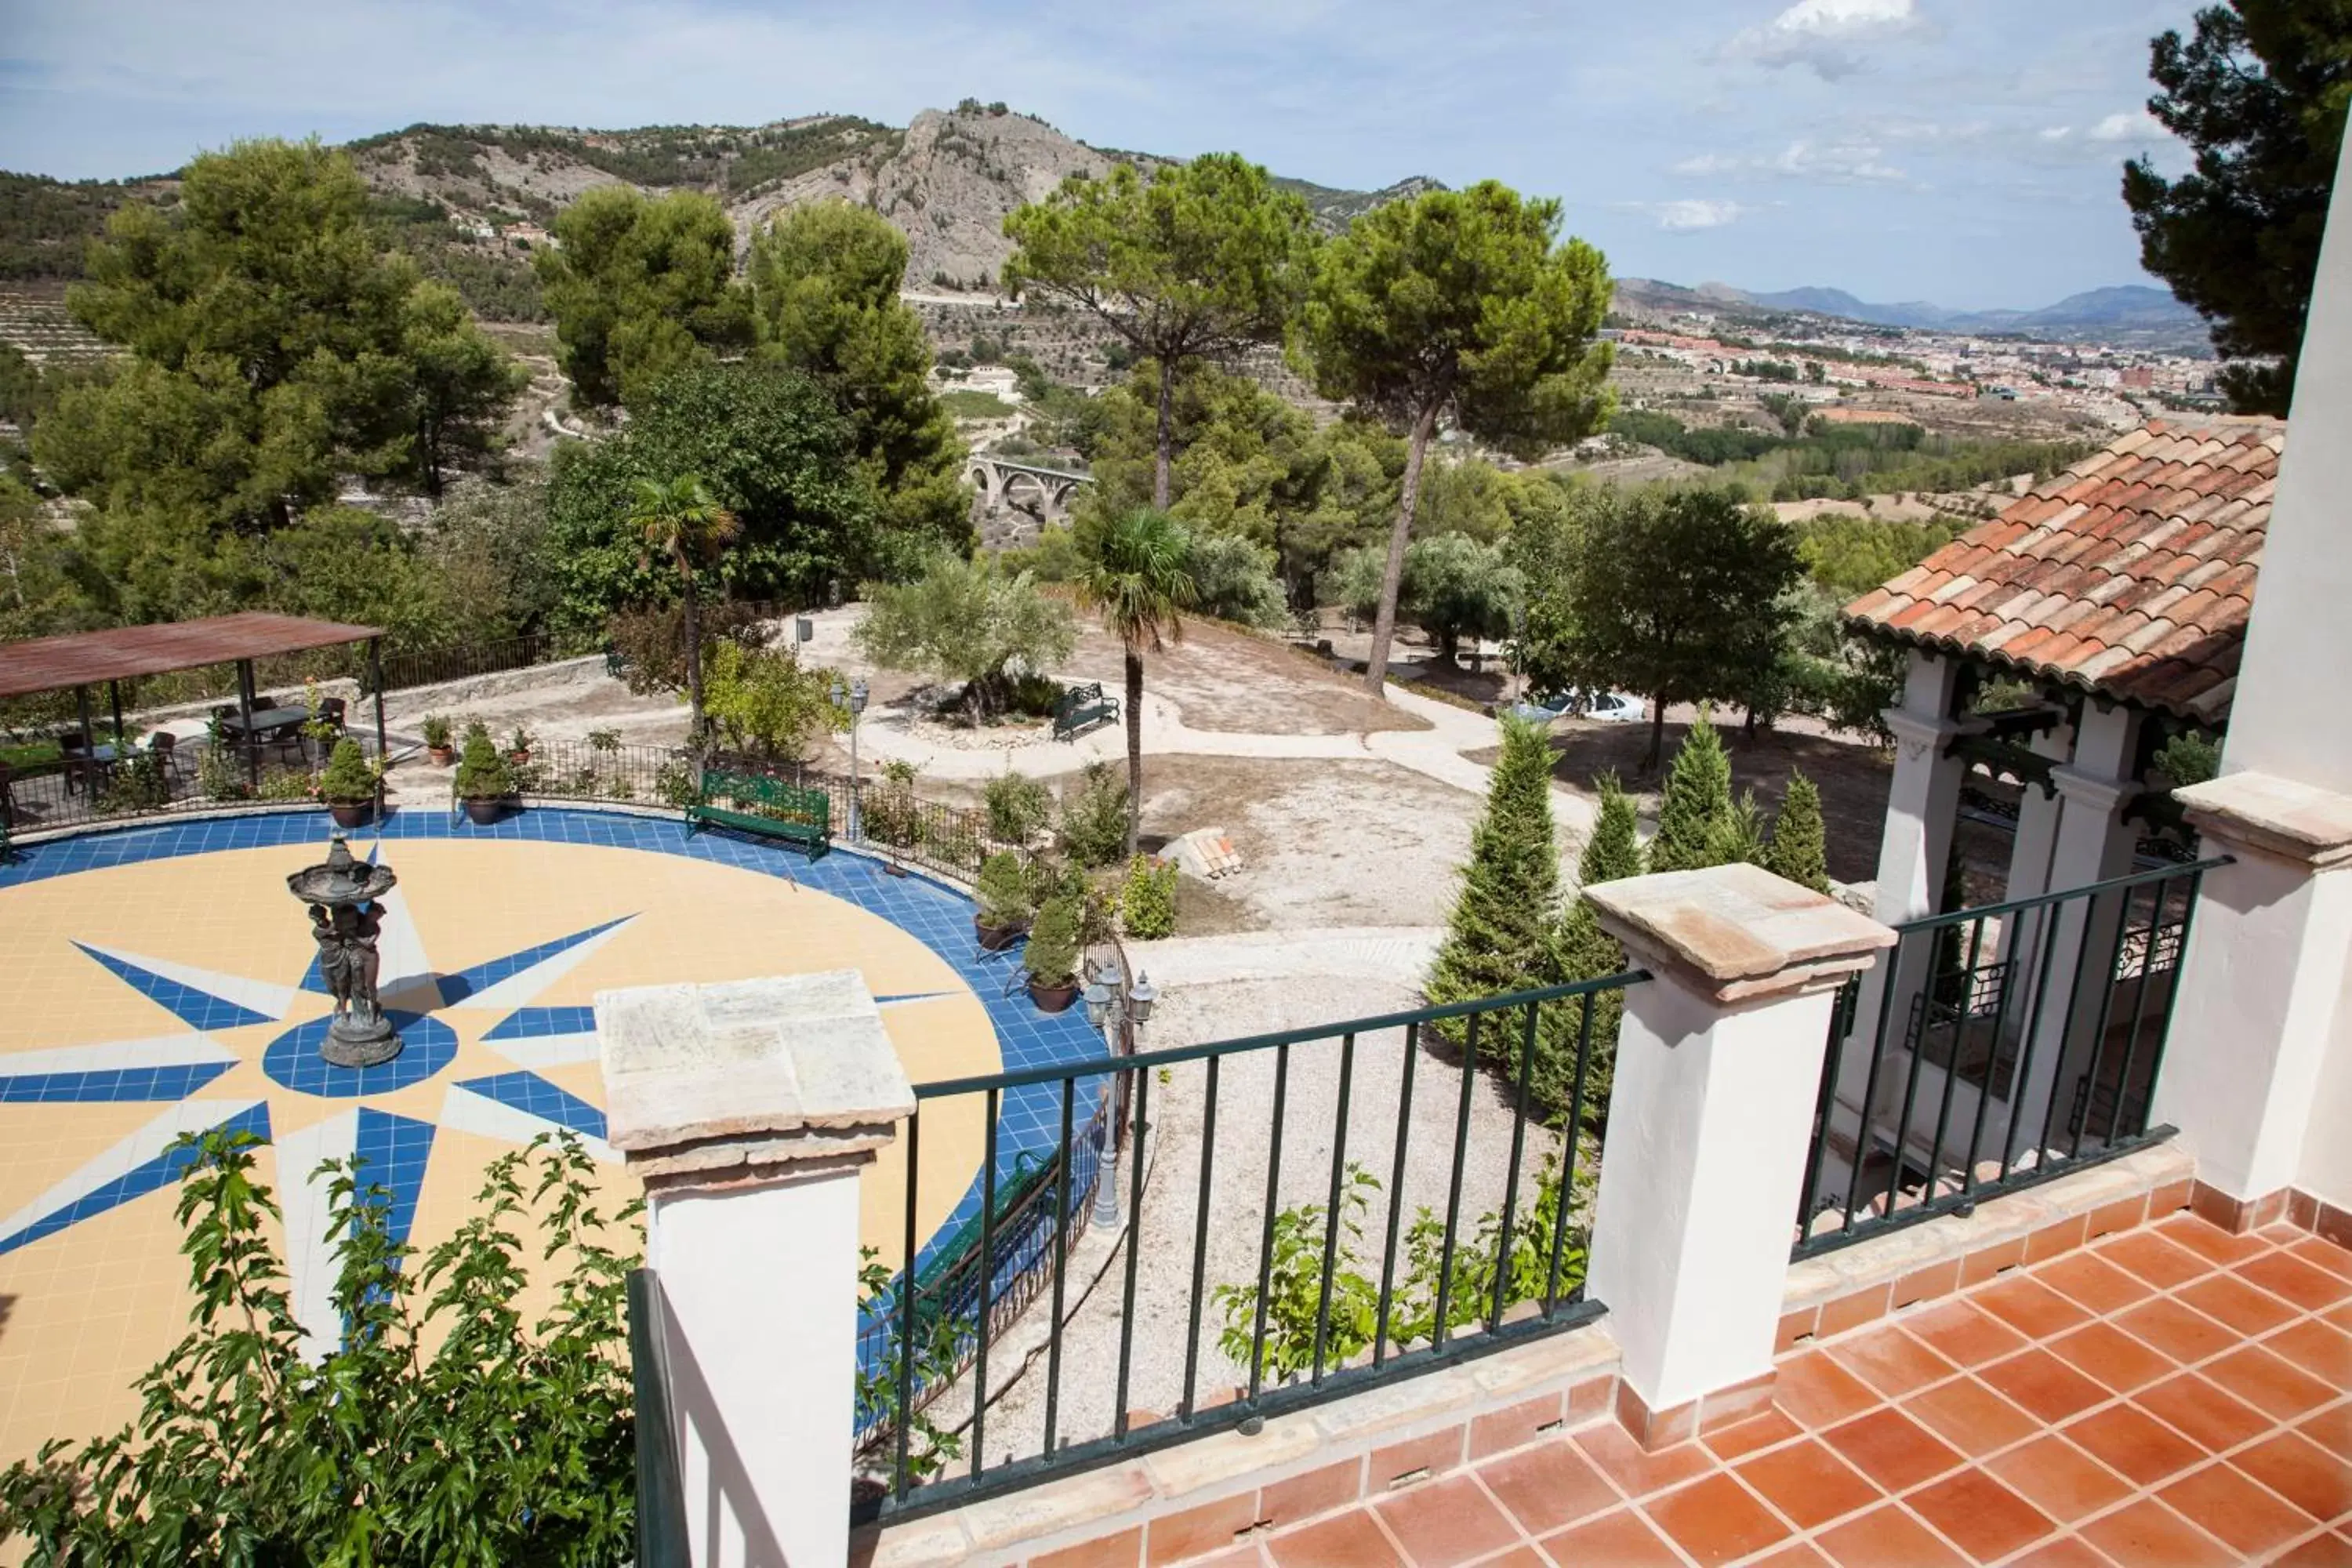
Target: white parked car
x=1615 y=708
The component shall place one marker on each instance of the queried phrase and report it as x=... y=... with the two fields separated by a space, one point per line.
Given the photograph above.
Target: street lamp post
x=1111 y=1008
x=853 y=699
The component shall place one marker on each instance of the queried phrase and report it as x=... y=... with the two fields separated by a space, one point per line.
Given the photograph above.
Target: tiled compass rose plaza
x=161 y=980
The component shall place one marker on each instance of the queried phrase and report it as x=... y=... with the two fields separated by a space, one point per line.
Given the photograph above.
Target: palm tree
x=1137 y=574
x=684 y=522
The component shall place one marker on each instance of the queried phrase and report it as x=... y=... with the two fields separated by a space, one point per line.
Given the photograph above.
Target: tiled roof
x=2132 y=573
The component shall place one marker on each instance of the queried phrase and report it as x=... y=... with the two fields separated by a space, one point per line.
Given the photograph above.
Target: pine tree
x=1697 y=797
x=1799 y=849
x=1496 y=940
x=1581 y=950
x=1738 y=834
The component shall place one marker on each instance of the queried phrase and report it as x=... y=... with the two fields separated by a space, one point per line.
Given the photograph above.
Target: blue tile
x=534 y=1023
x=197 y=1009
x=160 y=1172
x=394 y=1150
x=526 y=1091
x=120 y=1084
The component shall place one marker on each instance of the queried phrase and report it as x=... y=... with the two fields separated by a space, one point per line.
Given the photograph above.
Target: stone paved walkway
x=2173 y=1397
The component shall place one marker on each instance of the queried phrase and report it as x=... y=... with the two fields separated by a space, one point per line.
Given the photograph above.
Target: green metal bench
x=765 y=807
x=1082 y=707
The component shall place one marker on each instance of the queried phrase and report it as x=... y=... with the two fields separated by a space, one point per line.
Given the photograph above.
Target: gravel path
x=1242 y=1156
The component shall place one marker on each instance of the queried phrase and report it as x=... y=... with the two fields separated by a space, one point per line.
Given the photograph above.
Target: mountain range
x=2127 y=308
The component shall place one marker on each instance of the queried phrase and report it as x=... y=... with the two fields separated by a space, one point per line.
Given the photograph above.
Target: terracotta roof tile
x=2132 y=573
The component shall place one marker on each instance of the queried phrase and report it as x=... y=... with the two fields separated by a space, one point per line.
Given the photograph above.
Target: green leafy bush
x=348 y=779
x=1003 y=889
x=1017 y=808
x=1093 y=829
x=482 y=771
x=434 y=728
x=1146 y=904
x=441 y=1428
x=892 y=813
x=1051 y=955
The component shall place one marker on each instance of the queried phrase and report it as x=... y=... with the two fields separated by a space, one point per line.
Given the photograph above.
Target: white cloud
x=2134 y=125
x=1831 y=36
x=1839 y=163
x=1692 y=213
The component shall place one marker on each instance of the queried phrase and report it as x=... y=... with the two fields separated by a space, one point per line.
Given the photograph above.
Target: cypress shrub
x=1696 y=798
x=1499 y=935
x=1799 y=845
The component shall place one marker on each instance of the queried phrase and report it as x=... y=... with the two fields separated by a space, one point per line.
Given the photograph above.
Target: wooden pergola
x=79 y=661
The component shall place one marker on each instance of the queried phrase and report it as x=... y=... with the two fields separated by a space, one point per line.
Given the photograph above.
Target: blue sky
x=1960 y=151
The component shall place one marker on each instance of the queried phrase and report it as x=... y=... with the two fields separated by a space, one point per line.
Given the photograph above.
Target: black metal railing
x=148 y=780
x=661 y=1491
x=1243 y=1262
x=1994 y=1048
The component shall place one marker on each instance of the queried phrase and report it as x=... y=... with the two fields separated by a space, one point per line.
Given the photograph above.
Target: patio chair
x=165 y=745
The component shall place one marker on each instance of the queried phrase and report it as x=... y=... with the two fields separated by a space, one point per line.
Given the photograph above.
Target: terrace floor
x=2172 y=1396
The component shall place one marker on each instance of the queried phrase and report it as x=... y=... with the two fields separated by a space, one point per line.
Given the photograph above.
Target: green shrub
x=434 y=726
x=892 y=813
x=1799 y=850
x=348 y=779
x=1017 y=808
x=1003 y=889
x=482 y=771
x=1093 y=830
x=1147 y=905
x=1051 y=955
x=444 y=1424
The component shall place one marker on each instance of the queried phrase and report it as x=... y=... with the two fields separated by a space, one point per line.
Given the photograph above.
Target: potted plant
x=1005 y=905
x=348 y=785
x=1052 y=956
x=484 y=780
x=436 y=727
x=519 y=745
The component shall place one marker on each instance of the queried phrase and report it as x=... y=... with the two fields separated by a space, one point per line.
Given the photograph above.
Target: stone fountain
x=342 y=893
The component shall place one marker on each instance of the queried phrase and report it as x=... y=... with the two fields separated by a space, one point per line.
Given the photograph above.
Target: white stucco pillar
x=749 y=1108
x=2262 y=995
x=1923 y=806
x=2036 y=842
x=1719 y=1068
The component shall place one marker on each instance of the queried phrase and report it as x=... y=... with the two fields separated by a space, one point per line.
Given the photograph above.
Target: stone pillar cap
x=730 y=1079
x=1736 y=933
x=2283 y=817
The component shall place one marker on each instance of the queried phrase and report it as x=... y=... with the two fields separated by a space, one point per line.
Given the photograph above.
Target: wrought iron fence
x=1994 y=1048
x=1260 y=1293
x=146 y=780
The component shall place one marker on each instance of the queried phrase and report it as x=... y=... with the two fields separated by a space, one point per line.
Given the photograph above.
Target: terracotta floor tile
x=2316 y=1480
x=2323 y=1255
x=2136 y=1445
x=2178 y=1331
x=2213 y=1419
x=2092 y=1281
x=1808 y=1483
x=2112 y=1356
x=1744 y=1438
x=2331 y=1550
x=2061 y=1551
x=2267 y=1382
x=2224 y=1503
x=1516 y=1557
x=2060 y=1479
x=2209 y=1241
x=2330 y=1429
x=1715 y=1521
x=1964 y=1333
x=1818 y=1392
x=2231 y=1300
x=1348 y=1539
x=1890 y=1361
x=1444 y=1522
x=1638 y=1474
x=2155 y=1259
x=1979 y=1515
x=1547 y=1486
x=2313 y=1289
x=2340 y=1316
x=2324 y=1351
x=1797 y=1554
x=1248 y=1555
x=2043 y=1384
x=1971 y=1416
x=1892 y=1450
x=1623 y=1538
x=2147 y=1534
x=1887 y=1537
x=2030 y=1307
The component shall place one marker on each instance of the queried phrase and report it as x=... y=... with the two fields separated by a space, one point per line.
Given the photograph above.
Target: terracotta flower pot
x=1053 y=998
x=442 y=755
x=483 y=812
x=994 y=939
x=352 y=812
